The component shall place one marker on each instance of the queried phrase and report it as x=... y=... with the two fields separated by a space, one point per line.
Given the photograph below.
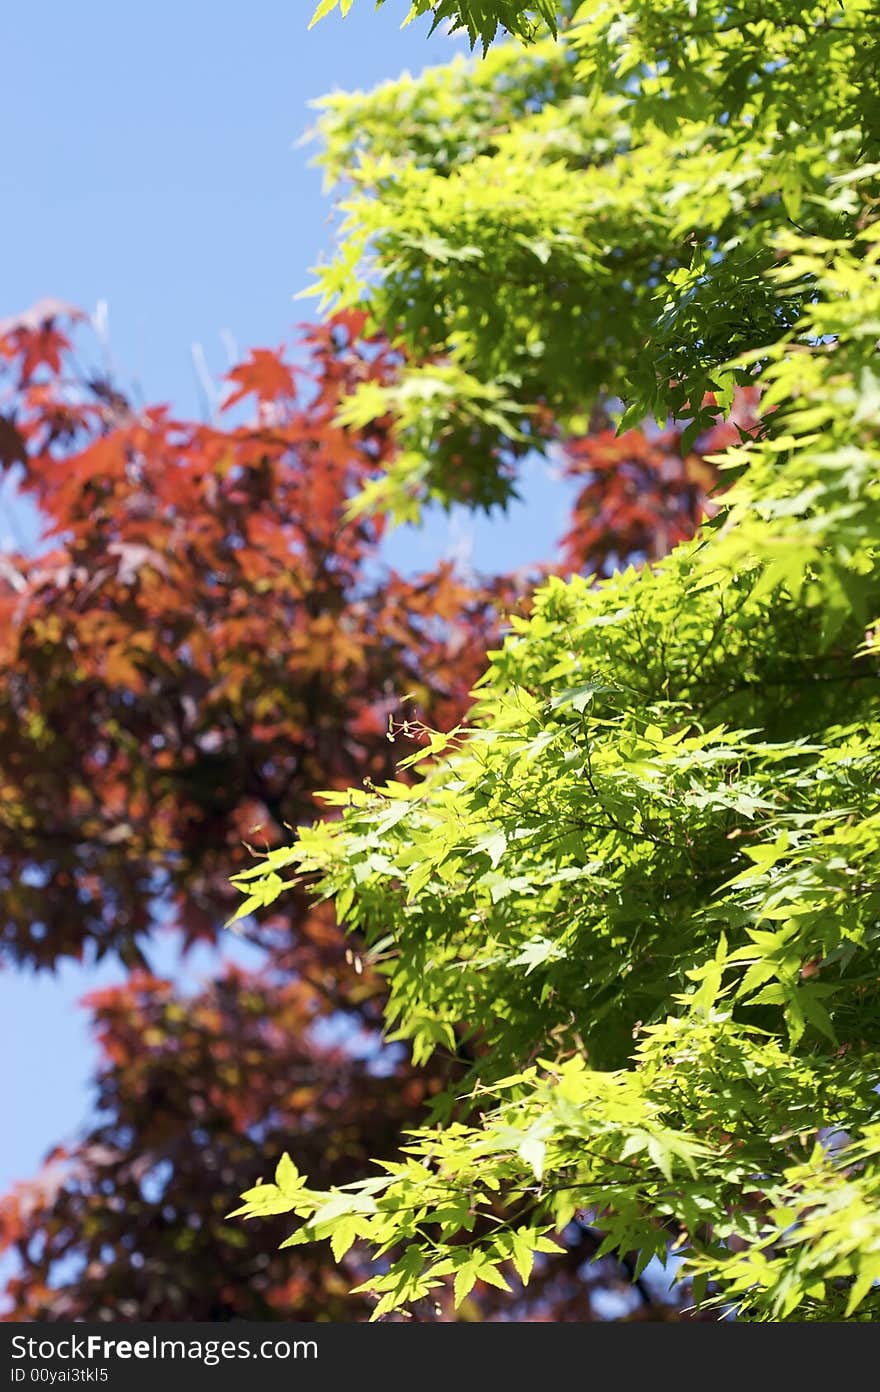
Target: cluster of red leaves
x=205 y=645
x=192 y=1094
x=204 y=642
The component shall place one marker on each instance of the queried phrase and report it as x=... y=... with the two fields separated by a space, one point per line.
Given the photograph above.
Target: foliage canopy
x=584 y=219
x=640 y=891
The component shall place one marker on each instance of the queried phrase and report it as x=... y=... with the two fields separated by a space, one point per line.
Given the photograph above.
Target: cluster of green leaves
x=482 y=20
x=586 y=218
x=665 y=822
x=641 y=891
x=559 y=1140
x=722 y=61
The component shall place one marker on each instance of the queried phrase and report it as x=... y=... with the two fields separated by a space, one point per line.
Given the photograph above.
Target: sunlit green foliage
x=641 y=890
x=481 y=20
x=588 y=217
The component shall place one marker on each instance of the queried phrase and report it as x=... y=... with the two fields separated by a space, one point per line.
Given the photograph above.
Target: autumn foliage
x=201 y=643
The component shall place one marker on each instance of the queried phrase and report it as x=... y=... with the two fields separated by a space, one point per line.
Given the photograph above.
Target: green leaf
x=287 y=1176
x=532 y=1151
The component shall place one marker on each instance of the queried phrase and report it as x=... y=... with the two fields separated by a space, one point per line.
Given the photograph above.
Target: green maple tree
x=643 y=885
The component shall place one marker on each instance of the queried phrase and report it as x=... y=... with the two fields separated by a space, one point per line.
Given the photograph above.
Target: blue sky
x=150 y=165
